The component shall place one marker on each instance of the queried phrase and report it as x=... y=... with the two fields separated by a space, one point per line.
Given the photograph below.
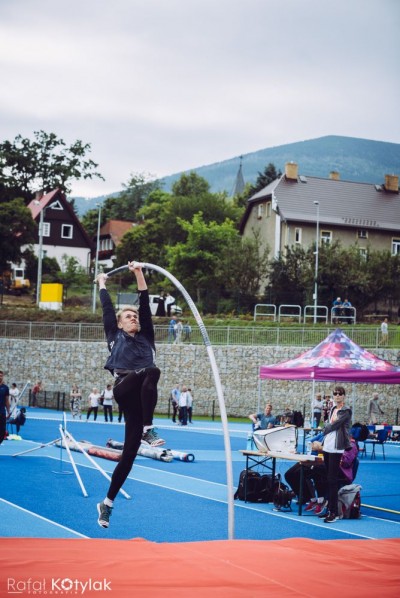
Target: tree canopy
x=46 y=163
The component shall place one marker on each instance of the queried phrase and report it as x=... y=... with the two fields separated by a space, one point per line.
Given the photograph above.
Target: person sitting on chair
x=263 y=421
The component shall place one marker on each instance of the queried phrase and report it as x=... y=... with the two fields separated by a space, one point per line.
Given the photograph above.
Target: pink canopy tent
x=335 y=358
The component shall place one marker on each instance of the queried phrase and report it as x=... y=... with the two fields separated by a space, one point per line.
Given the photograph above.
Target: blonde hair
x=127 y=308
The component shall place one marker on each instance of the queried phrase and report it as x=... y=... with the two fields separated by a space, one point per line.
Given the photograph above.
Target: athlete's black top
x=128 y=352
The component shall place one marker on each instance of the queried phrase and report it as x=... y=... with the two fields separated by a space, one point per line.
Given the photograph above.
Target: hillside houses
x=287 y=211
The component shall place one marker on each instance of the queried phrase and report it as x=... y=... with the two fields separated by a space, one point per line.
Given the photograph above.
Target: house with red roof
x=62 y=231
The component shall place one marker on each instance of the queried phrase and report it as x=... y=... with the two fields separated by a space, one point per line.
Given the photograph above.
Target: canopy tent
x=335 y=358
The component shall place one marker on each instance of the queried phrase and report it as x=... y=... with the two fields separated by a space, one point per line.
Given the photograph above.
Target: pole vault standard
x=217 y=381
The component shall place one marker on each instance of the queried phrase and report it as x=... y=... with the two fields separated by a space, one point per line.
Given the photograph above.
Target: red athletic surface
x=230 y=568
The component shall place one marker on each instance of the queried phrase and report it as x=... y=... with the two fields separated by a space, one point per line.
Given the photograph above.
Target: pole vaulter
x=217 y=381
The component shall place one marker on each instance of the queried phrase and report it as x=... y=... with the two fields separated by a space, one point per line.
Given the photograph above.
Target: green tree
x=264 y=178
x=43 y=164
x=17 y=228
x=127 y=204
x=289 y=277
x=242 y=267
x=71 y=274
x=190 y=185
x=195 y=262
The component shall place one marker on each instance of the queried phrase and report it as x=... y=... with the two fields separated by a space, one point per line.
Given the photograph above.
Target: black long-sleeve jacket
x=128 y=352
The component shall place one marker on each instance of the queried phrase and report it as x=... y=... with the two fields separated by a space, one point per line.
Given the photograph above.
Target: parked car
x=125 y=299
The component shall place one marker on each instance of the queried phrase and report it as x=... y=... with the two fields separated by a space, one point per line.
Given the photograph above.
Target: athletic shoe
x=323 y=514
x=311 y=505
x=105 y=513
x=151 y=437
x=321 y=507
x=331 y=518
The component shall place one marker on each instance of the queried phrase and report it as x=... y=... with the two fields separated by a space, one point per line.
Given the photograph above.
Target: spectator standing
x=189 y=405
x=336 y=441
x=37 y=387
x=183 y=406
x=94 y=399
x=346 y=310
x=171 y=329
x=108 y=396
x=14 y=397
x=175 y=394
x=169 y=302
x=384 y=332
x=178 y=332
x=4 y=406
x=75 y=402
x=160 y=312
x=317 y=409
x=337 y=309
x=374 y=410
x=264 y=420
x=187 y=331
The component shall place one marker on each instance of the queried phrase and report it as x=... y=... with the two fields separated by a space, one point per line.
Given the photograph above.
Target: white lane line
x=72 y=531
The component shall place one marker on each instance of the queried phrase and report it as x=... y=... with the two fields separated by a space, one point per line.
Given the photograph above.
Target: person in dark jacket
x=130 y=339
x=336 y=440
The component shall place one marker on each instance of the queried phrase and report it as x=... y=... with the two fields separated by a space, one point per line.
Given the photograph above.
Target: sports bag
x=282 y=497
x=260 y=488
x=349 y=502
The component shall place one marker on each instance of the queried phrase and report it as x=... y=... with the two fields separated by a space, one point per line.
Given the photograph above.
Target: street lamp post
x=316 y=203
x=40 y=256
x=96 y=262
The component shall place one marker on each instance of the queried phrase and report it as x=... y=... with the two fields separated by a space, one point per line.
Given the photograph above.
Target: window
x=46 y=229
x=260 y=210
x=297 y=236
x=362 y=233
x=396 y=247
x=56 y=205
x=363 y=253
x=268 y=209
x=66 y=231
x=326 y=237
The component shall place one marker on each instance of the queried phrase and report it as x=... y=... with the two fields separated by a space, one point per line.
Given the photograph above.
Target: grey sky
x=161 y=86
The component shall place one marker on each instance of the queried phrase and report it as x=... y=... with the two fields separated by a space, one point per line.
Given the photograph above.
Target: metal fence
x=307 y=336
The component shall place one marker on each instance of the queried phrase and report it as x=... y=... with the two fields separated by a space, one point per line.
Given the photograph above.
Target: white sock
x=145 y=428
x=321 y=500
x=108 y=502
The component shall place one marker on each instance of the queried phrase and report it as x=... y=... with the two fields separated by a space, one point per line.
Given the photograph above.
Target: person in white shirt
x=317 y=409
x=14 y=396
x=94 y=398
x=107 y=395
x=183 y=405
x=189 y=405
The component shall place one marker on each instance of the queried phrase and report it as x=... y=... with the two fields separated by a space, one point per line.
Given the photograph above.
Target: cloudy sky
x=160 y=86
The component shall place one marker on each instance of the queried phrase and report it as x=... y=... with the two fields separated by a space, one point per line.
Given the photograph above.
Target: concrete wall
x=59 y=364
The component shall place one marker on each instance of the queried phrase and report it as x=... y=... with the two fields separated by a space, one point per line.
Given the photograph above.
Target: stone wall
x=59 y=364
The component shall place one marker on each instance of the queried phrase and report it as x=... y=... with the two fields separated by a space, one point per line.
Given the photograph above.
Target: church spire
x=239 y=183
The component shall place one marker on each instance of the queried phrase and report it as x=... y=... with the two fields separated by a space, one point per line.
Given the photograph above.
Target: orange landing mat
x=223 y=569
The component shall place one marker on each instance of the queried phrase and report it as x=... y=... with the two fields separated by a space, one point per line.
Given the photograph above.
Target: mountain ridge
x=356 y=159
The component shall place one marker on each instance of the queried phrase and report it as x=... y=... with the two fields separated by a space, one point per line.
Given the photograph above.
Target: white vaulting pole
x=78 y=477
x=217 y=381
x=93 y=462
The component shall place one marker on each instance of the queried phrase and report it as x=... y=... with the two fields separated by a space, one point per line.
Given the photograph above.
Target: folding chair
x=379 y=440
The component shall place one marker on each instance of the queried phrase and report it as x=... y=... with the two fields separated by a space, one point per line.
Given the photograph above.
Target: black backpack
x=298 y=419
x=260 y=488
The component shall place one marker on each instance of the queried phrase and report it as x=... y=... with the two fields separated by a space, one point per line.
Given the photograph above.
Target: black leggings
x=136 y=393
x=332 y=465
